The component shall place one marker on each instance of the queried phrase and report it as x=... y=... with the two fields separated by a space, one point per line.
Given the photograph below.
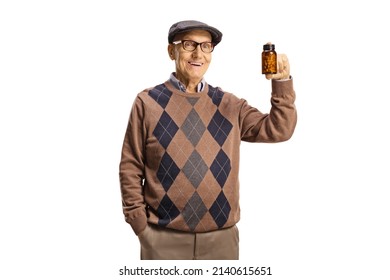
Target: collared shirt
x=179 y=85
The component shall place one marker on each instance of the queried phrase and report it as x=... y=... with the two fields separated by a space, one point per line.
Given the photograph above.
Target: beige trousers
x=159 y=243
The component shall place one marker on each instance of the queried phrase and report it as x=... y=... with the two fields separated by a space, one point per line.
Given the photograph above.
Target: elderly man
x=180 y=156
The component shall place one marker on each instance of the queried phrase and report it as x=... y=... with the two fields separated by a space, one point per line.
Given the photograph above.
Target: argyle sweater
x=180 y=157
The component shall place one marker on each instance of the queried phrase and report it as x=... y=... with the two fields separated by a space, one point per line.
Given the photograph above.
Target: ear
x=171 y=52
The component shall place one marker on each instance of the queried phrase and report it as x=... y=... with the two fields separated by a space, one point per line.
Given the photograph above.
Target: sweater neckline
x=186 y=94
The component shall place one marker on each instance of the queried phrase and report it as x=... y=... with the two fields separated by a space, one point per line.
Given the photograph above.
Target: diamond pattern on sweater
x=194 y=211
x=220 y=210
x=193 y=127
x=167 y=171
x=161 y=94
x=215 y=94
x=199 y=121
x=165 y=130
x=221 y=168
x=167 y=211
x=192 y=100
x=219 y=127
x=195 y=169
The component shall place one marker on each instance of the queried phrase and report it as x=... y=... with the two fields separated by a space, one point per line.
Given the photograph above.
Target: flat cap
x=188 y=25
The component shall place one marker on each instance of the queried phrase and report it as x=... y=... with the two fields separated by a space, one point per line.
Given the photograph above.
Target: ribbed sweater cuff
x=281 y=88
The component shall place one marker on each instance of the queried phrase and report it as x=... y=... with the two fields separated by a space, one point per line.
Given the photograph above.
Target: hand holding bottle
x=282 y=70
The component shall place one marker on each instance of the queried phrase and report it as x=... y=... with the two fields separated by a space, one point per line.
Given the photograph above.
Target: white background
x=315 y=207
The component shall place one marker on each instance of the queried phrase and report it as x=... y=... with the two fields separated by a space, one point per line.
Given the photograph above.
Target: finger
x=285 y=74
x=280 y=66
x=277 y=76
x=286 y=65
x=285 y=61
x=283 y=67
x=282 y=61
x=280 y=69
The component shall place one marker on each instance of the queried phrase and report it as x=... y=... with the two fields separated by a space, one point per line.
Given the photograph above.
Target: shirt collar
x=179 y=85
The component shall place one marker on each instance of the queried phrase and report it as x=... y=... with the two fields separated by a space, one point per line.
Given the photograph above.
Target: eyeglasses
x=190 y=45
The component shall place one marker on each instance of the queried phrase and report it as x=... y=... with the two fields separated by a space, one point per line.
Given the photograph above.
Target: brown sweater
x=180 y=156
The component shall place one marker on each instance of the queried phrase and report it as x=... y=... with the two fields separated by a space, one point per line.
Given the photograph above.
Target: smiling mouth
x=195 y=63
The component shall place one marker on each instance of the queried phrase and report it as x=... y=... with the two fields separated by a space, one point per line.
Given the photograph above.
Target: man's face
x=191 y=65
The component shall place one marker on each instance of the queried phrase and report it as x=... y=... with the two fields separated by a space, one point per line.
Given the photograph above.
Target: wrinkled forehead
x=199 y=34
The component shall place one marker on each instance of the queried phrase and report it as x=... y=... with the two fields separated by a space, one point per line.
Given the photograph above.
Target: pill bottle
x=269 y=59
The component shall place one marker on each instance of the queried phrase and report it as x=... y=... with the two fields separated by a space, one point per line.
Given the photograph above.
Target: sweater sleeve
x=131 y=169
x=276 y=126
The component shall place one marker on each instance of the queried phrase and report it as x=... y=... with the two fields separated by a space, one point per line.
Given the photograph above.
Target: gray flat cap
x=188 y=25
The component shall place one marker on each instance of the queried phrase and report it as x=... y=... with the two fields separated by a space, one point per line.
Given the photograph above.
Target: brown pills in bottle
x=269 y=59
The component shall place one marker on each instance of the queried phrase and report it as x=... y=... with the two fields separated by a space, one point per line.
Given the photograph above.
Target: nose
x=197 y=51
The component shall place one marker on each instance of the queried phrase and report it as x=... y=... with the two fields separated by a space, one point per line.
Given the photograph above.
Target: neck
x=191 y=85
x=192 y=88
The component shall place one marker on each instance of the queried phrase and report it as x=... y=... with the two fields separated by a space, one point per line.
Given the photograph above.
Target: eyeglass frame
x=197 y=44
